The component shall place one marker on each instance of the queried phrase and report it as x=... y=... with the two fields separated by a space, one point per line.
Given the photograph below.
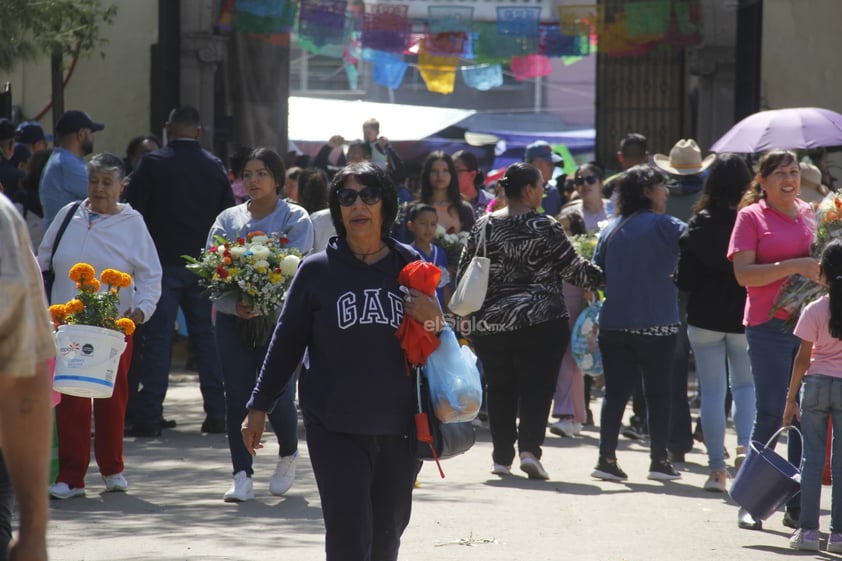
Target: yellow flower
x=81 y=272
x=74 y=306
x=126 y=325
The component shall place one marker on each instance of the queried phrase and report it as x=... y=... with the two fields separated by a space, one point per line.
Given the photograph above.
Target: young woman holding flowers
x=241 y=358
x=103 y=234
x=771 y=241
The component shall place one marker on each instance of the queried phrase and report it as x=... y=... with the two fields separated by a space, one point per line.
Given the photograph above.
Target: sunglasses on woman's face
x=369 y=195
x=589 y=179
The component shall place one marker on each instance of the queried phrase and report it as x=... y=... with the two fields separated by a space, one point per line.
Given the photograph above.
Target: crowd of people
x=674 y=279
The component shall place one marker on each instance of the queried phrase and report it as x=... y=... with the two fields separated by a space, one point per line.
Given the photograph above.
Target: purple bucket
x=765 y=481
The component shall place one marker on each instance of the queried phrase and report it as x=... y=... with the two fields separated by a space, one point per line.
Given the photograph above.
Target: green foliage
x=51 y=26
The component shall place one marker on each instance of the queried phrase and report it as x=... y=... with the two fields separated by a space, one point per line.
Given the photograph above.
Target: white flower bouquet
x=257 y=270
x=452 y=244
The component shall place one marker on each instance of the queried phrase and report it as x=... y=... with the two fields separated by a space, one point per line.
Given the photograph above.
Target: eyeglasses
x=589 y=179
x=369 y=195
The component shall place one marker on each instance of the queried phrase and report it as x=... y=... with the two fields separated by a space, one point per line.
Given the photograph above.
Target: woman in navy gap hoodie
x=341 y=314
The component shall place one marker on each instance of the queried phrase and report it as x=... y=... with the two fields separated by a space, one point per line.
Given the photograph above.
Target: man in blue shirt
x=65 y=178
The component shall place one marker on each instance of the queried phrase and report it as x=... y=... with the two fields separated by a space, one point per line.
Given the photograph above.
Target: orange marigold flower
x=111 y=277
x=74 y=306
x=256 y=233
x=126 y=280
x=126 y=325
x=92 y=285
x=81 y=272
x=58 y=313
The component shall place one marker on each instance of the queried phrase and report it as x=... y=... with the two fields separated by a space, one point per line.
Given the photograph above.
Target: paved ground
x=174 y=508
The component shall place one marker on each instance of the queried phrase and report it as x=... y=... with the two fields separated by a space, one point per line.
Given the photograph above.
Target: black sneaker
x=143 y=431
x=213 y=426
x=662 y=470
x=608 y=471
x=632 y=432
x=791 y=518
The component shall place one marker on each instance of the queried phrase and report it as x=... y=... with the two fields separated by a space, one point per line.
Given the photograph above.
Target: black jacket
x=179 y=190
x=716 y=302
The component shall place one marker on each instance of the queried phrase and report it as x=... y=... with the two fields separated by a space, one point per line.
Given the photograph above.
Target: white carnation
x=290 y=265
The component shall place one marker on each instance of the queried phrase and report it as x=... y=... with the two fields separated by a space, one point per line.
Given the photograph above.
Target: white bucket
x=87 y=360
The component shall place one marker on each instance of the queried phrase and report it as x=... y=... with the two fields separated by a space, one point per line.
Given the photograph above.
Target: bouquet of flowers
x=584 y=244
x=798 y=291
x=92 y=307
x=452 y=243
x=257 y=270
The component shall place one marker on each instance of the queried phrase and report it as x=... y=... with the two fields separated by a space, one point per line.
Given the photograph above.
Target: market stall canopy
x=315 y=120
x=795 y=127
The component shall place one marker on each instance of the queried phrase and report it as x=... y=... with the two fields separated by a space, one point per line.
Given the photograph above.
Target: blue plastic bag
x=584 y=340
x=454 y=381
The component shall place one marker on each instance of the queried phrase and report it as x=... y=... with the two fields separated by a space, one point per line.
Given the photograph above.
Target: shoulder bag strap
x=67 y=218
x=620 y=225
x=483 y=236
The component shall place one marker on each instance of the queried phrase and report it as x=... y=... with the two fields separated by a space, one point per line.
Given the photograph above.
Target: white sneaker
x=566 y=428
x=501 y=469
x=284 y=475
x=532 y=467
x=241 y=490
x=116 y=483
x=62 y=490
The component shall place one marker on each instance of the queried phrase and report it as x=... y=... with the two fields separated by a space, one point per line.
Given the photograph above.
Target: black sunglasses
x=590 y=180
x=369 y=195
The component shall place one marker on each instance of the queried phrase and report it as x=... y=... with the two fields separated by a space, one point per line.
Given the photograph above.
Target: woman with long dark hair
x=440 y=188
x=714 y=313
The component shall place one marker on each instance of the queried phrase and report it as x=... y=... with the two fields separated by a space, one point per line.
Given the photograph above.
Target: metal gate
x=644 y=94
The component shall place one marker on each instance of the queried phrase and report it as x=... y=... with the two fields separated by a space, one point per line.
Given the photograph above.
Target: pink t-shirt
x=772 y=236
x=826 y=357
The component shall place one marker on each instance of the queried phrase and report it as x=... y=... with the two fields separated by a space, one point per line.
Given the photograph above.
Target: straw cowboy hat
x=685 y=159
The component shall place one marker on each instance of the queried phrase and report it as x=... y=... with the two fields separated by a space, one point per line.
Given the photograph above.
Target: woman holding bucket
x=770 y=241
x=105 y=234
x=819 y=365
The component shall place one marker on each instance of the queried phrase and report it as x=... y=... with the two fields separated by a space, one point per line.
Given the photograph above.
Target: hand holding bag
x=470 y=292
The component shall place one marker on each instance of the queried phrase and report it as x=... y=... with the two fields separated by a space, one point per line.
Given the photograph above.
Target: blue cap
x=541 y=149
x=30 y=132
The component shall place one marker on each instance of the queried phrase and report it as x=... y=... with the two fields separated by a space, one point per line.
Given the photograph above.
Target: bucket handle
x=786 y=428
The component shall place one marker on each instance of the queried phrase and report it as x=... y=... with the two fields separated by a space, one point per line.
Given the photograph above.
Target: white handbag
x=470 y=292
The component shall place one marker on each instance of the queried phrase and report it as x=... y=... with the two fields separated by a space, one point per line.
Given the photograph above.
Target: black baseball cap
x=7 y=129
x=30 y=132
x=73 y=120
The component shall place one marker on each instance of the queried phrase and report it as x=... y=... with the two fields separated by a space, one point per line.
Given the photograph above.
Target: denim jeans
x=626 y=357
x=179 y=287
x=240 y=367
x=521 y=369
x=713 y=350
x=821 y=397
x=771 y=350
x=681 y=427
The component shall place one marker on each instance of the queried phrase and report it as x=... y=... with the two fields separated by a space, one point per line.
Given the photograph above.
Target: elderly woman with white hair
x=106 y=234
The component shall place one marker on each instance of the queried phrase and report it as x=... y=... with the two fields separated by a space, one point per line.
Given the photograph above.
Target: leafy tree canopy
x=28 y=27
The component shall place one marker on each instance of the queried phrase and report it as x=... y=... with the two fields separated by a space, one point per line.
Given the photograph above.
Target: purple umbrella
x=796 y=127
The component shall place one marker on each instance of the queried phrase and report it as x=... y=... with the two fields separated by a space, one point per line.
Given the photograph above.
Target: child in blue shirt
x=422 y=222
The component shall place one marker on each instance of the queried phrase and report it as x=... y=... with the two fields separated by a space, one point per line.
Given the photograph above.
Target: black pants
x=365 y=483
x=521 y=369
x=7 y=499
x=627 y=357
